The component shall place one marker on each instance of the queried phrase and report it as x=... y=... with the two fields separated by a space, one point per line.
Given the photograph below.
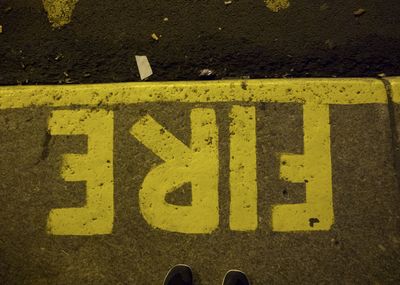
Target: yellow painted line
x=395 y=83
x=319 y=91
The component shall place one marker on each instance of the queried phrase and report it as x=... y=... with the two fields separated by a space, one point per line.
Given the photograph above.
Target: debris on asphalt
x=144 y=66
x=154 y=37
x=67 y=79
x=359 y=12
x=58 y=57
x=381 y=247
x=228 y=2
x=166 y=19
x=324 y=7
x=206 y=73
x=330 y=44
x=1 y=29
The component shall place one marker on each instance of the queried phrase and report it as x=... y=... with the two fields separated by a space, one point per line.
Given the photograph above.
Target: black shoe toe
x=180 y=274
x=236 y=277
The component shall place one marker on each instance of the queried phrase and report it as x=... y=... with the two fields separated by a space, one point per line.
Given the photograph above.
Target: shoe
x=235 y=277
x=180 y=274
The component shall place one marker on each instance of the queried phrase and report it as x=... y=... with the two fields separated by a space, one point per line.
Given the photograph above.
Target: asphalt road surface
x=332 y=145
x=246 y=38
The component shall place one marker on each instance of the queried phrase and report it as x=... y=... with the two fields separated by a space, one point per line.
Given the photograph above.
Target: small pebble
x=324 y=7
x=330 y=44
x=154 y=37
x=359 y=12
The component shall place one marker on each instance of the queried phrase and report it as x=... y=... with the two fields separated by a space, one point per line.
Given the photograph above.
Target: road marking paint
x=95 y=167
x=395 y=84
x=312 y=168
x=321 y=91
x=59 y=12
x=198 y=162
x=276 y=5
x=243 y=169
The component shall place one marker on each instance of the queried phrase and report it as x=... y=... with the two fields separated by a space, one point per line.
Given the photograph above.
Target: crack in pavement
x=393 y=128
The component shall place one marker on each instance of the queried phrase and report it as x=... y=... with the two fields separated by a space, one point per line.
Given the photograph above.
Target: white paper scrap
x=143 y=66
